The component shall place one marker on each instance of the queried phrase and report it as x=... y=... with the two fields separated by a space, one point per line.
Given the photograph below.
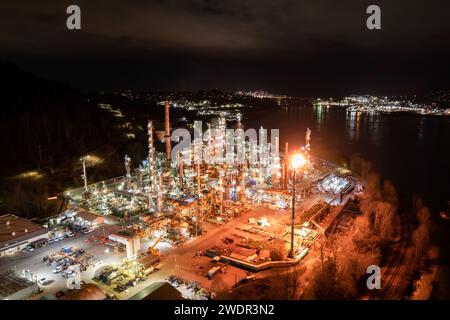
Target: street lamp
x=297 y=161
x=83 y=161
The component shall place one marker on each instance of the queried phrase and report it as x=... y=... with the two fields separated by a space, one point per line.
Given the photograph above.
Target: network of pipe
x=218 y=167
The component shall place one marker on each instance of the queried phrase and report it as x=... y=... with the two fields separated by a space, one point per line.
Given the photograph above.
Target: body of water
x=411 y=150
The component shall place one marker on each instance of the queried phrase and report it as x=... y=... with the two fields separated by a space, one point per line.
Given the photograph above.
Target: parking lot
x=34 y=266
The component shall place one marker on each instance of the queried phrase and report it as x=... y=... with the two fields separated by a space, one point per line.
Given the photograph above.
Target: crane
x=152 y=249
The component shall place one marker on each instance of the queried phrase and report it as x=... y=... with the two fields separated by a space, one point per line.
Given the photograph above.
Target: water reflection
x=394 y=143
x=320 y=113
x=354 y=125
x=374 y=122
x=421 y=129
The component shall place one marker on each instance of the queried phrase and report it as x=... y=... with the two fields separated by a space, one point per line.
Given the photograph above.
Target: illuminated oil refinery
x=227 y=197
x=221 y=175
x=218 y=150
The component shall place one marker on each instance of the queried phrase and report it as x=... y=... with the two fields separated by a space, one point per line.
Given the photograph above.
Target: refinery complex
x=228 y=157
x=227 y=204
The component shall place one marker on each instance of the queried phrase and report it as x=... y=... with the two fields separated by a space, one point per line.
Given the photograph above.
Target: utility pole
x=286 y=164
x=291 y=250
x=298 y=161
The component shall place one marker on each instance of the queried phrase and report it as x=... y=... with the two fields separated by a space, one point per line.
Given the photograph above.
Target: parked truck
x=213 y=271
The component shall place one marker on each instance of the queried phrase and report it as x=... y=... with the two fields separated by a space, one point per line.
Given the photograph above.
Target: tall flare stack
x=167 y=135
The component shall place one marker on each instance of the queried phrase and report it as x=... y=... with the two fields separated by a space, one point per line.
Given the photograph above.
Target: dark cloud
x=305 y=47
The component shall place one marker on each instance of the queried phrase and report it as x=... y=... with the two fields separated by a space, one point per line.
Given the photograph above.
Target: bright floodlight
x=298 y=160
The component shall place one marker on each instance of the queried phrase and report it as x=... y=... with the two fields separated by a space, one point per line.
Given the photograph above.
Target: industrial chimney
x=167 y=135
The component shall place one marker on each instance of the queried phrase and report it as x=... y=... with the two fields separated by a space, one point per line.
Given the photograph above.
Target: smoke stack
x=167 y=135
x=151 y=158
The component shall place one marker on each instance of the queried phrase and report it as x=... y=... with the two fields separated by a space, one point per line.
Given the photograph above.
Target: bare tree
x=383 y=220
x=390 y=193
x=278 y=250
x=345 y=264
x=326 y=285
x=291 y=283
x=421 y=235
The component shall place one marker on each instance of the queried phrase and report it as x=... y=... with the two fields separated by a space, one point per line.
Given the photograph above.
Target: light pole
x=297 y=161
x=83 y=161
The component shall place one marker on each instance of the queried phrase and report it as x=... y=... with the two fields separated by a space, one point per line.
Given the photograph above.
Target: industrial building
x=13 y=287
x=83 y=218
x=132 y=243
x=158 y=291
x=87 y=219
x=16 y=233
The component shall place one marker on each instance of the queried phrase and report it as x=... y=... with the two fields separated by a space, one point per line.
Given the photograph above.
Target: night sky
x=298 y=47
